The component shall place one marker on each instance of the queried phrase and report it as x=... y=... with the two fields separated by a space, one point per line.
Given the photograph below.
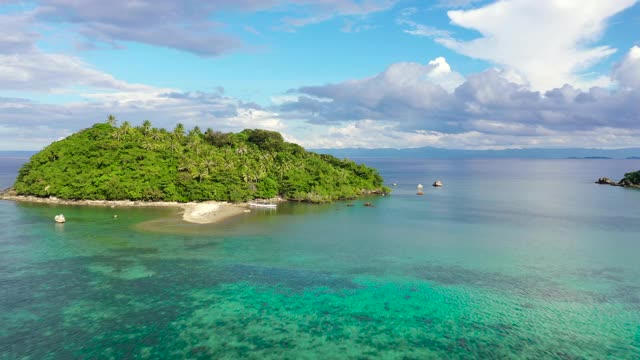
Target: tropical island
x=107 y=162
x=630 y=179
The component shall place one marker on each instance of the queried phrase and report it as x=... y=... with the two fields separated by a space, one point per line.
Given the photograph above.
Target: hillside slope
x=106 y=162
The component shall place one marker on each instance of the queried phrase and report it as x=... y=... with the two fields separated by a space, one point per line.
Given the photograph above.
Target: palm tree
x=111 y=120
x=148 y=145
x=185 y=164
x=146 y=127
x=159 y=146
x=126 y=127
x=200 y=171
x=156 y=134
x=117 y=134
x=174 y=144
x=194 y=145
x=178 y=131
x=284 y=167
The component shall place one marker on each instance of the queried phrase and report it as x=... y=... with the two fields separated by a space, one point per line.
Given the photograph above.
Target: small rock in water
x=115 y=216
x=368 y=204
x=605 y=181
x=59 y=219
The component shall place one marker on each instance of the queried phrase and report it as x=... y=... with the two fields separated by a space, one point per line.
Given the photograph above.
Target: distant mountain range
x=438 y=153
x=19 y=154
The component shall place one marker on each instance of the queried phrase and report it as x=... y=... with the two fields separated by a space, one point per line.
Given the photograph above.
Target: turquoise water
x=511 y=259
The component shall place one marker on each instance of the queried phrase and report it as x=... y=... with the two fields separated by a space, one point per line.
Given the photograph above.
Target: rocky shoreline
x=621 y=183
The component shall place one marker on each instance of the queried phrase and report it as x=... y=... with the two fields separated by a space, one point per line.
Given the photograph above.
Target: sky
x=460 y=74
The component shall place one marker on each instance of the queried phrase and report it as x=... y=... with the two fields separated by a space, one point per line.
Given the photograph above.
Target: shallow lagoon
x=510 y=259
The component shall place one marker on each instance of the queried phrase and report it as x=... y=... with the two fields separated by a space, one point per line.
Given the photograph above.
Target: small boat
x=437 y=183
x=261 y=205
x=419 y=188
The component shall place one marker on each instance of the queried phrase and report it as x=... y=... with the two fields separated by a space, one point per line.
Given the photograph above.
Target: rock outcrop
x=606 y=181
x=622 y=183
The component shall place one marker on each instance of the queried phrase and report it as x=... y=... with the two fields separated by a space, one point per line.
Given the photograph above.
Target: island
x=631 y=179
x=108 y=164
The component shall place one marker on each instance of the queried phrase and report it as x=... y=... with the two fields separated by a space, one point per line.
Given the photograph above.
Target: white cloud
x=38 y=71
x=186 y=25
x=546 y=40
x=627 y=72
x=15 y=37
x=400 y=91
x=374 y=134
x=405 y=106
x=24 y=67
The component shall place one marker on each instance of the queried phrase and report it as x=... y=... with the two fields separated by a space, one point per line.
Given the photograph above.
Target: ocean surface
x=525 y=259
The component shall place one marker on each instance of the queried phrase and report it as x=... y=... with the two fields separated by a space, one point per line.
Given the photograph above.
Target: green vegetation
x=633 y=177
x=106 y=162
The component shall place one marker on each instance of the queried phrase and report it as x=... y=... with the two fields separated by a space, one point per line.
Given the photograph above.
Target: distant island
x=590 y=157
x=110 y=162
x=631 y=179
x=441 y=153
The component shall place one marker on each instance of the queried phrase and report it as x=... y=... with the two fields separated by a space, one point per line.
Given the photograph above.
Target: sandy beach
x=211 y=211
x=198 y=213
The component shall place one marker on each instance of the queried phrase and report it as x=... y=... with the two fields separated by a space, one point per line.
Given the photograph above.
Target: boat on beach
x=263 y=205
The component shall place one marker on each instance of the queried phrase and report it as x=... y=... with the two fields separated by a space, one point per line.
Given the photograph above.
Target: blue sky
x=330 y=73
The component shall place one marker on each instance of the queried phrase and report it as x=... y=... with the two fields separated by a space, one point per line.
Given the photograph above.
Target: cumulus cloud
x=408 y=101
x=545 y=41
x=399 y=92
x=627 y=72
x=376 y=134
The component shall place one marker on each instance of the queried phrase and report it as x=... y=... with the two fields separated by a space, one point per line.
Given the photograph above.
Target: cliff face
x=106 y=162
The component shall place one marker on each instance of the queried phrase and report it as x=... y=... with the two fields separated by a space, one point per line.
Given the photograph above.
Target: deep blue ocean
x=522 y=259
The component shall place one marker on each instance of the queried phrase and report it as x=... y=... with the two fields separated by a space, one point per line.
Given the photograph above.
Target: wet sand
x=199 y=213
x=211 y=211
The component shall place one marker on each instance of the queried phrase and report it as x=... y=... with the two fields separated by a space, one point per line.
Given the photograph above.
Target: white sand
x=210 y=212
x=200 y=213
